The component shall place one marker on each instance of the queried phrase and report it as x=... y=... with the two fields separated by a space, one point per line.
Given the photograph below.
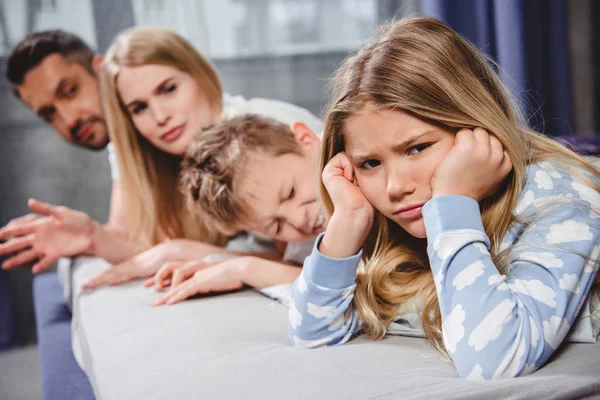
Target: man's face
x=66 y=95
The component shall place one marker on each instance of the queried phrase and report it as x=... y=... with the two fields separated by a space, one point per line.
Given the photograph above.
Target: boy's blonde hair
x=155 y=208
x=215 y=165
x=424 y=68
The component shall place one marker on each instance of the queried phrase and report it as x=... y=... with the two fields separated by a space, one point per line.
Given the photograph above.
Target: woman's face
x=165 y=104
x=395 y=156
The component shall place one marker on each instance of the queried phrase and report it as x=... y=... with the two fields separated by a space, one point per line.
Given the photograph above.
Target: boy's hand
x=174 y=273
x=475 y=167
x=353 y=214
x=223 y=276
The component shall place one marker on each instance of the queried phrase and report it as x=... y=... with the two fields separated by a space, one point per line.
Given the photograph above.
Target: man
x=53 y=72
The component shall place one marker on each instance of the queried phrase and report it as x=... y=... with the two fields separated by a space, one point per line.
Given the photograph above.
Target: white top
x=235 y=106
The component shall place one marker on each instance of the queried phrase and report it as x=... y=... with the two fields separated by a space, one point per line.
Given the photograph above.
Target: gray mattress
x=235 y=346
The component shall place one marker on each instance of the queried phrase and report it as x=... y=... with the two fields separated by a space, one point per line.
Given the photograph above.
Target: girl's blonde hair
x=424 y=68
x=155 y=207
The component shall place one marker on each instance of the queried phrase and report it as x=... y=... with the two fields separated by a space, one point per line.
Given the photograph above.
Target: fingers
x=108 y=277
x=186 y=271
x=95 y=281
x=22 y=258
x=482 y=139
x=340 y=165
x=464 y=136
x=165 y=272
x=22 y=220
x=15 y=245
x=22 y=228
x=179 y=276
x=180 y=293
x=500 y=155
x=149 y=282
x=347 y=167
x=44 y=263
x=44 y=208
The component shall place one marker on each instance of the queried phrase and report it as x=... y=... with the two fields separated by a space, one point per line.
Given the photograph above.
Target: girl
x=443 y=200
x=157 y=91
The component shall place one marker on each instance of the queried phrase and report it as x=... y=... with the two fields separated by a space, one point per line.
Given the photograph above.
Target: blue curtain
x=7 y=314
x=528 y=40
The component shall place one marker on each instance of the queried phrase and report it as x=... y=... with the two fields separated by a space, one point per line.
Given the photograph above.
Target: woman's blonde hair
x=155 y=207
x=424 y=68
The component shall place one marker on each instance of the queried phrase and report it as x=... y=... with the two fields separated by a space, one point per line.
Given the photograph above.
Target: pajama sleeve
x=321 y=311
x=498 y=326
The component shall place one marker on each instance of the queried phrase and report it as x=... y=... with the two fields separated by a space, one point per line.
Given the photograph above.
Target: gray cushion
x=235 y=346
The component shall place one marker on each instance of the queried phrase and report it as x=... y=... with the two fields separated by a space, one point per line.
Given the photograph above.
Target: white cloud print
x=536 y=289
x=447 y=243
x=569 y=231
x=452 y=329
x=543 y=180
x=475 y=374
x=468 y=276
x=294 y=316
x=481 y=247
x=587 y=193
x=498 y=281
x=555 y=331
x=320 y=311
x=570 y=282
x=546 y=259
x=301 y=284
x=490 y=327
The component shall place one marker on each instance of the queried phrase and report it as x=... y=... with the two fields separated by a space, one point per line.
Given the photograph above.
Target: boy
x=254 y=174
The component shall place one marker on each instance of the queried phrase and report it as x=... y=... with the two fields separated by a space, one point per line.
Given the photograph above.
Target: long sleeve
x=497 y=326
x=321 y=311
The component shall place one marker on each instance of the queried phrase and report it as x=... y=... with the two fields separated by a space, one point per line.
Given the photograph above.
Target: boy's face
x=282 y=191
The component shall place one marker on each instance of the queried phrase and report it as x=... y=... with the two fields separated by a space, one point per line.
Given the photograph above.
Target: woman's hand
x=475 y=167
x=142 y=265
x=353 y=214
x=61 y=232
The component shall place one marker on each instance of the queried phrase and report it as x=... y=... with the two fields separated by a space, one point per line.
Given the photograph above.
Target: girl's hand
x=353 y=214
x=174 y=273
x=62 y=232
x=142 y=265
x=475 y=167
x=340 y=182
x=223 y=276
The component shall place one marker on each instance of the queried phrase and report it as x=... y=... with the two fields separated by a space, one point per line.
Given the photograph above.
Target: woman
x=452 y=206
x=157 y=91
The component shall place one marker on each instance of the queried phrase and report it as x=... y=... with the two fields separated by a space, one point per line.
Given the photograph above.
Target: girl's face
x=395 y=156
x=165 y=104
